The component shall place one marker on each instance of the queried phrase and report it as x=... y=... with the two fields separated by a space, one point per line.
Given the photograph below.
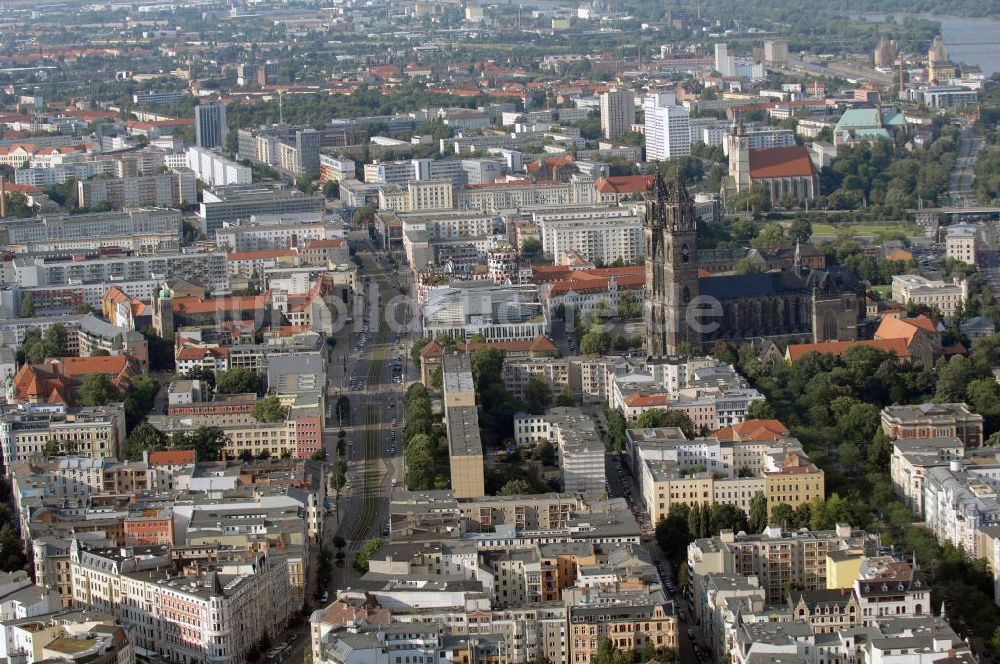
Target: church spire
x=797 y=261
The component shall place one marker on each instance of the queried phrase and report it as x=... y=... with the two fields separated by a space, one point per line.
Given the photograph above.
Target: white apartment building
x=215 y=170
x=580 y=452
x=668 y=129
x=960 y=501
x=912 y=457
x=961 y=242
x=604 y=240
x=944 y=296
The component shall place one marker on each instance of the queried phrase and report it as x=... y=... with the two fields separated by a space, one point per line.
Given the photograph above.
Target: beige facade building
x=465 y=448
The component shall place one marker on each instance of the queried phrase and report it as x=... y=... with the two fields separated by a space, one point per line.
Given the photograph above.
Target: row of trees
x=426 y=450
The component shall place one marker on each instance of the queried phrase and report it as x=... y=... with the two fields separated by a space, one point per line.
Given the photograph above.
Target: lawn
x=866 y=229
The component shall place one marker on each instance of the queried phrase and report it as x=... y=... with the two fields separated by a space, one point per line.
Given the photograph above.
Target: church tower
x=671 y=267
x=739 y=154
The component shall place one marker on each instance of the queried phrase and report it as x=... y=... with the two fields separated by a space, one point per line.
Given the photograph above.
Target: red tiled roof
x=171 y=457
x=786 y=162
x=200 y=353
x=753 y=430
x=904 y=328
x=624 y=184
x=324 y=244
x=194 y=305
x=638 y=400
x=897 y=347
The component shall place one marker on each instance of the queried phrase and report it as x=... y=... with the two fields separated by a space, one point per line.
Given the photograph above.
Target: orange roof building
x=897 y=347
x=754 y=430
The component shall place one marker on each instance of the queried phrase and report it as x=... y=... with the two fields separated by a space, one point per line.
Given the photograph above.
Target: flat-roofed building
x=465 y=448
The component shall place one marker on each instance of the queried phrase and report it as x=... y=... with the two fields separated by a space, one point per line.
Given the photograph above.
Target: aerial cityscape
x=515 y=332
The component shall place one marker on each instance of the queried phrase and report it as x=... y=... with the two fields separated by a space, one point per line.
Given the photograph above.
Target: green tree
x=32 y=348
x=537 y=394
x=515 y=487
x=269 y=409
x=566 y=398
x=655 y=418
x=800 y=231
x=420 y=464
x=27 y=309
x=201 y=373
x=239 y=380
x=207 y=442
x=614 y=437
x=369 y=549
x=487 y=368
x=343 y=409
x=782 y=514
x=770 y=237
x=144 y=437
x=953 y=377
x=56 y=340
x=364 y=214
x=96 y=390
x=758 y=512
x=595 y=342
x=531 y=248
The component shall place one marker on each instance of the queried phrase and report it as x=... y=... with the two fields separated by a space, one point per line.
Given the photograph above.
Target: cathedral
x=687 y=309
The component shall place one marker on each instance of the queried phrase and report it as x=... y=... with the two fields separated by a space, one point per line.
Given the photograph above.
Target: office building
x=159 y=97
x=235 y=203
x=668 y=129
x=210 y=125
x=499 y=313
x=617 y=112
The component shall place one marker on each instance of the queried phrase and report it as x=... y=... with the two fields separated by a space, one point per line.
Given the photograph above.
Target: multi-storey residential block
x=617 y=112
x=206 y=268
x=574 y=435
x=215 y=170
x=602 y=235
x=162 y=190
x=186 y=607
x=911 y=459
x=668 y=128
x=26 y=431
x=94 y=225
x=776 y=557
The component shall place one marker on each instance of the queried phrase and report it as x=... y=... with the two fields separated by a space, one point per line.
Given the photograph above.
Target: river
x=956 y=30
